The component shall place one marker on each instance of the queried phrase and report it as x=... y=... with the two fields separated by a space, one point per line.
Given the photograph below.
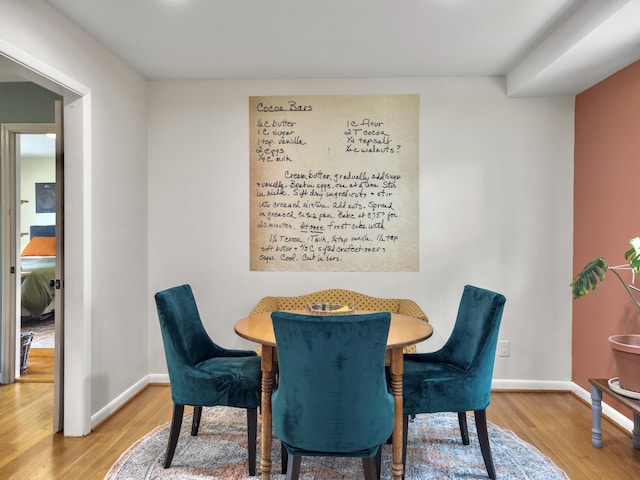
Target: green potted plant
x=625 y=347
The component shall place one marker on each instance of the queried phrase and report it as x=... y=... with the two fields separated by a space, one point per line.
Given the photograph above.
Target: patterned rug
x=435 y=451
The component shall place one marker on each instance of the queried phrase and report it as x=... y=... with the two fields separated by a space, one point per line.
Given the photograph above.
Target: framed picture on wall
x=46 y=197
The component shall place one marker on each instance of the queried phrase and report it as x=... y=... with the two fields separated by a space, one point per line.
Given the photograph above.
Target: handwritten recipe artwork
x=334 y=183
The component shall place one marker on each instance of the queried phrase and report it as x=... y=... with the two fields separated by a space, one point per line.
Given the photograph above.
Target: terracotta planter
x=626 y=353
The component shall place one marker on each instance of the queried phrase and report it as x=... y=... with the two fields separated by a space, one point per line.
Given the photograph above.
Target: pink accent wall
x=606 y=215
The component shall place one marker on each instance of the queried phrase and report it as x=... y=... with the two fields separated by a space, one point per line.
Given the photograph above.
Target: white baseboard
x=120 y=400
x=511 y=384
x=497 y=384
x=159 y=378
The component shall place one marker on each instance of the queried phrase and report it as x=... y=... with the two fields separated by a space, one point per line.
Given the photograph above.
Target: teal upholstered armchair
x=331 y=398
x=202 y=373
x=457 y=378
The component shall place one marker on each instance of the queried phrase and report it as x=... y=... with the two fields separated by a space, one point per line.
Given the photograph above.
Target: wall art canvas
x=46 y=197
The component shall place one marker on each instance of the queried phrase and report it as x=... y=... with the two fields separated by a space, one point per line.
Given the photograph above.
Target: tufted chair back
x=457 y=378
x=332 y=398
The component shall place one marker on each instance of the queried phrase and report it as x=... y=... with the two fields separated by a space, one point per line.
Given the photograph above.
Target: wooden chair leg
x=284 y=457
x=369 y=467
x=252 y=435
x=195 y=425
x=378 y=462
x=174 y=433
x=405 y=435
x=464 y=430
x=483 y=437
x=293 y=467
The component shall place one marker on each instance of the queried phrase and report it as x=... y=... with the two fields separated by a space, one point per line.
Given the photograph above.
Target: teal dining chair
x=202 y=373
x=457 y=377
x=331 y=398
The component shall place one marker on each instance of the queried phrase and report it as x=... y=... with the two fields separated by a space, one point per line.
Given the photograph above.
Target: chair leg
x=252 y=435
x=293 y=467
x=464 y=431
x=378 y=462
x=174 y=433
x=195 y=425
x=369 y=467
x=405 y=435
x=483 y=437
x=284 y=457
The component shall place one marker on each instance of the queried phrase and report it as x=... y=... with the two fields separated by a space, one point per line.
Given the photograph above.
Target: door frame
x=78 y=255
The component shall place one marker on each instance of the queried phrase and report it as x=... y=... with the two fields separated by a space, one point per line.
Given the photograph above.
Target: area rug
x=434 y=451
x=43 y=330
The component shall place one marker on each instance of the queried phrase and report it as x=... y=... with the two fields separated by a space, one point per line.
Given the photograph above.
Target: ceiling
x=543 y=47
x=37 y=145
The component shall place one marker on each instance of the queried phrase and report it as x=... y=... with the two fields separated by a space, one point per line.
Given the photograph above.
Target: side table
x=598 y=387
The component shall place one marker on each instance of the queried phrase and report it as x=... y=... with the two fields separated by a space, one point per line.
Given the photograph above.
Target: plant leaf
x=633 y=254
x=589 y=278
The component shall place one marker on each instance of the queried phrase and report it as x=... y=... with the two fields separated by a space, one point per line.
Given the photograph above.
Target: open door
x=10 y=218
x=58 y=372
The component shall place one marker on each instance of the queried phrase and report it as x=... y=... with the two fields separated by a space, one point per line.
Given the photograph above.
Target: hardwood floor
x=558 y=424
x=39 y=366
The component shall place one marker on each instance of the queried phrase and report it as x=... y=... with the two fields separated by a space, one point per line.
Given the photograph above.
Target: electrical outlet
x=503 y=348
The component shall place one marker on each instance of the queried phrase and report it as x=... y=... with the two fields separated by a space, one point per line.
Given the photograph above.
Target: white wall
x=496 y=202
x=496 y=179
x=32 y=171
x=105 y=210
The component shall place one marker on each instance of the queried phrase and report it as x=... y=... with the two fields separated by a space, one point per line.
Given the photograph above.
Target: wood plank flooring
x=558 y=424
x=39 y=366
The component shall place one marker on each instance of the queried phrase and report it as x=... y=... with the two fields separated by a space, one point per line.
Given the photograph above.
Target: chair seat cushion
x=441 y=387
x=366 y=453
x=229 y=381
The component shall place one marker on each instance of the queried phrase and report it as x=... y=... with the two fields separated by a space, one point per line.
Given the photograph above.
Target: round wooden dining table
x=404 y=330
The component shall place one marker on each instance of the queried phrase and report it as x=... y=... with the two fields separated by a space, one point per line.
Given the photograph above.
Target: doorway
x=74 y=397
x=32 y=232
x=36 y=164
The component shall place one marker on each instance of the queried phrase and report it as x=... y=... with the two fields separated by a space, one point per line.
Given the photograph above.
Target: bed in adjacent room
x=38 y=271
